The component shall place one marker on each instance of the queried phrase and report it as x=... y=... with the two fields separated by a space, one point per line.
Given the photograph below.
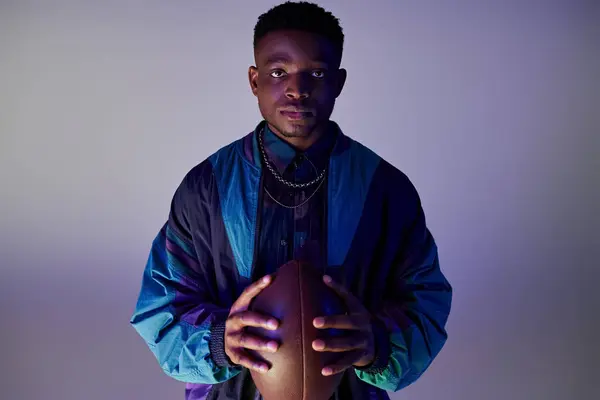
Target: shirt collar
x=282 y=154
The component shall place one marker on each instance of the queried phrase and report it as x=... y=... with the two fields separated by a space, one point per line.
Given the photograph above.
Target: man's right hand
x=237 y=340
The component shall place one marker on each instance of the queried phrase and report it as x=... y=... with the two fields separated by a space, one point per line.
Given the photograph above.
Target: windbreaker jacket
x=378 y=245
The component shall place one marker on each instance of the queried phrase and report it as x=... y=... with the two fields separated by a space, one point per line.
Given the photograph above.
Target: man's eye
x=277 y=73
x=318 y=74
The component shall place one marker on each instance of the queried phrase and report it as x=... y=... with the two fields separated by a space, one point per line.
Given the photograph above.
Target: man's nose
x=299 y=86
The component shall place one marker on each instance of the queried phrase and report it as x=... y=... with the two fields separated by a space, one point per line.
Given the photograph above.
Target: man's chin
x=297 y=129
x=296 y=134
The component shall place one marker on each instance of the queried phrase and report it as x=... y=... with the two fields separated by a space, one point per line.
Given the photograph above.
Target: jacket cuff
x=382 y=349
x=216 y=345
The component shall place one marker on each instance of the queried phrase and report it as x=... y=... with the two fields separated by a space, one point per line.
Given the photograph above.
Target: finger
x=252 y=318
x=338 y=345
x=249 y=293
x=351 y=301
x=240 y=357
x=253 y=342
x=350 y=321
x=343 y=364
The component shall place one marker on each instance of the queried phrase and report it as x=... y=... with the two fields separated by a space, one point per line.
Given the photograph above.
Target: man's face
x=296 y=80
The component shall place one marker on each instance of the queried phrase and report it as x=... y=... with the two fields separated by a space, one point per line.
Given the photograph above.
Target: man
x=294 y=188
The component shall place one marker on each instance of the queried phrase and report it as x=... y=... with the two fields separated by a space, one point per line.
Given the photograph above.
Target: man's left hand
x=359 y=344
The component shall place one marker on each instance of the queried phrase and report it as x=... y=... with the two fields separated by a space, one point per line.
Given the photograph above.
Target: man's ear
x=253 y=79
x=340 y=81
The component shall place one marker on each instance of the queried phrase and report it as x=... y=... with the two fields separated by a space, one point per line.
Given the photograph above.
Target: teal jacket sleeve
x=175 y=313
x=410 y=326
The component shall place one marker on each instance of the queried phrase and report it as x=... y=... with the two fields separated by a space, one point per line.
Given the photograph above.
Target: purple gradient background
x=491 y=108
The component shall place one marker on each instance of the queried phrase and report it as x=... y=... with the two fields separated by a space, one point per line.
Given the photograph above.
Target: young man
x=294 y=188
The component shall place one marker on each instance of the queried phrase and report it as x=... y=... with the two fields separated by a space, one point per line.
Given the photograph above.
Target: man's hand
x=359 y=344
x=237 y=340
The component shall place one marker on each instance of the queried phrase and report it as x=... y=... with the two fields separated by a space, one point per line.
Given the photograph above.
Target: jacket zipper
x=325 y=226
x=259 y=208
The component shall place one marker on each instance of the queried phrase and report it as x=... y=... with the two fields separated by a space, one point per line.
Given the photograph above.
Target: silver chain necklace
x=288 y=183
x=295 y=206
x=277 y=175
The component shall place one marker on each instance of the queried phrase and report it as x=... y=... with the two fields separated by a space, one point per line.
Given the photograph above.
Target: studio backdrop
x=490 y=107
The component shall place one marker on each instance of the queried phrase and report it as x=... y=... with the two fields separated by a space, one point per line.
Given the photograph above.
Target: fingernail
x=266 y=279
x=272 y=324
x=261 y=368
x=318 y=345
x=319 y=321
x=327 y=279
x=272 y=346
x=327 y=371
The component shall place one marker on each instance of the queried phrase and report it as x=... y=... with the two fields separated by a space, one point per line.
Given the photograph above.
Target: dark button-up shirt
x=293 y=219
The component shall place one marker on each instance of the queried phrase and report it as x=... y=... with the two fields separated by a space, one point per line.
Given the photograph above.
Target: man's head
x=297 y=77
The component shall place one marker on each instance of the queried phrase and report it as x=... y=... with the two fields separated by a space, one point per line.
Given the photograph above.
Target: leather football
x=297 y=295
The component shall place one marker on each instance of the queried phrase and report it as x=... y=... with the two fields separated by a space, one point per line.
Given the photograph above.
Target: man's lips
x=297 y=113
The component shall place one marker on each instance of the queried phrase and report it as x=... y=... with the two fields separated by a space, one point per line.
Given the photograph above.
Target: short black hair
x=302 y=16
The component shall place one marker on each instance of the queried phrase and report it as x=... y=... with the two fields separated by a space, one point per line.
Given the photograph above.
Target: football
x=297 y=295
